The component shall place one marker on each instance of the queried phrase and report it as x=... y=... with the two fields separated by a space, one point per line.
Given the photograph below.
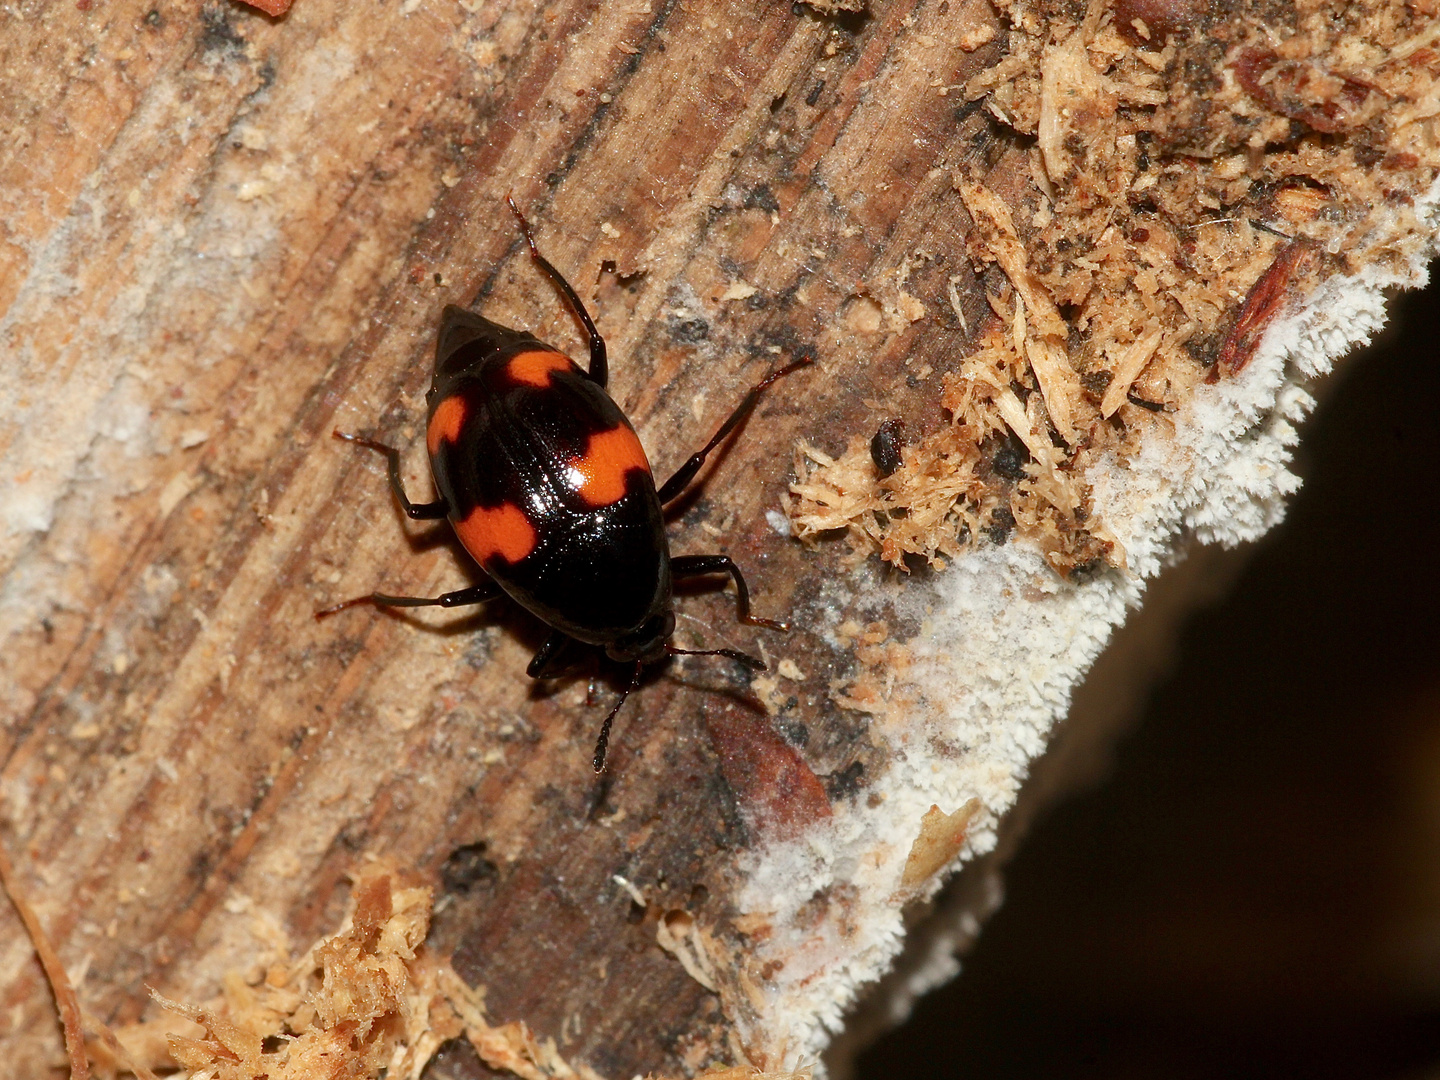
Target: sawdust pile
x=369 y=1001
x=1181 y=169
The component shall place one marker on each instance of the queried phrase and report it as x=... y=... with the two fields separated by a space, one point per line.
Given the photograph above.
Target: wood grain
x=223 y=236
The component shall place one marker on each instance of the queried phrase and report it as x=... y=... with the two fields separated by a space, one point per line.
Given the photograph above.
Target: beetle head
x=647 y=644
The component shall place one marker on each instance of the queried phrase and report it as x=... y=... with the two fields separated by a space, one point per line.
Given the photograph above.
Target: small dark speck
x=1010 y=460
x=1002 y=521
x=1097 y=382
x=154 y=19
x=761 y=197
x=852 y=22
x=969 y=109
x=552 y=179
x=217 y=35
x=690 y=331
x=796 y=734
x=845 y=783
x=439 y=278
x=814 y=94
x=776 y=103
x=467 y=867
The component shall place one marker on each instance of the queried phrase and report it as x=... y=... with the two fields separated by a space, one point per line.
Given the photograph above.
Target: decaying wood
x=226 y=235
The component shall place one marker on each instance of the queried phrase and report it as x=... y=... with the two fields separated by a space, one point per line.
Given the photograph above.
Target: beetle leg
x=415 y=511
x=602 y=744
x=475 y=594
x=599 y=365
x=687 y=566
x=542 y=664
x=681 y=480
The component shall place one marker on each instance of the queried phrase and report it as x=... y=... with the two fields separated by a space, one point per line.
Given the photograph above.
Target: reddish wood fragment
x=372 y=911
x=1261 y=303
x=1160 y=19
x=778 y=792
x=1302 y=91
x=271 y=7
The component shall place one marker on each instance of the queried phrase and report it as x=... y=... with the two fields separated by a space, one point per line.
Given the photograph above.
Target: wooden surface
x=224 y=235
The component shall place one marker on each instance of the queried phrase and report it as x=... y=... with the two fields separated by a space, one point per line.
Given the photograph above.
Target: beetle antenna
x=752 y=662
x=602 y=744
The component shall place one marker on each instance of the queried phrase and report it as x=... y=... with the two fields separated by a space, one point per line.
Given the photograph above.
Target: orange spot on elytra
x=504 y=530
x=533 y=367
x=445 y=425
x=599 y=476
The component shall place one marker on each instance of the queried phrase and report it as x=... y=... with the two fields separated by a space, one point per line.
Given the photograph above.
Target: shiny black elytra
x=547 y=486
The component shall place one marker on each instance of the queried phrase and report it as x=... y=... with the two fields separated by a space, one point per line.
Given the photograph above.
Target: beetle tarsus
x=752 y=662
x=676 y=485
x=688 y=566
x=475 y=594
x=599 y=364
x=414 y=511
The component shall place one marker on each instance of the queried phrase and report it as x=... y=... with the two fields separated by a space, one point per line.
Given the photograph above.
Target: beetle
x=886 y=446
x=547 y=487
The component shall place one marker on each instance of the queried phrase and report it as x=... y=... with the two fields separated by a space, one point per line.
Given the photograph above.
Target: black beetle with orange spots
x=548 y=488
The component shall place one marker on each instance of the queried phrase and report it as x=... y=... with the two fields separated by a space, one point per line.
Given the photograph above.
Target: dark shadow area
x=1255 y=892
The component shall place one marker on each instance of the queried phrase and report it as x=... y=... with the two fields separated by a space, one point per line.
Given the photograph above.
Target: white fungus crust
x=1004 y=644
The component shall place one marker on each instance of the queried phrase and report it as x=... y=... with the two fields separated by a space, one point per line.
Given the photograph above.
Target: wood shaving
x=274 y=8
x=67 y=1005
x=680 y=935
x=371 y=1000
x=1132 y=362
x=940 y=839
x=1195 y=169
x=343 y=1009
